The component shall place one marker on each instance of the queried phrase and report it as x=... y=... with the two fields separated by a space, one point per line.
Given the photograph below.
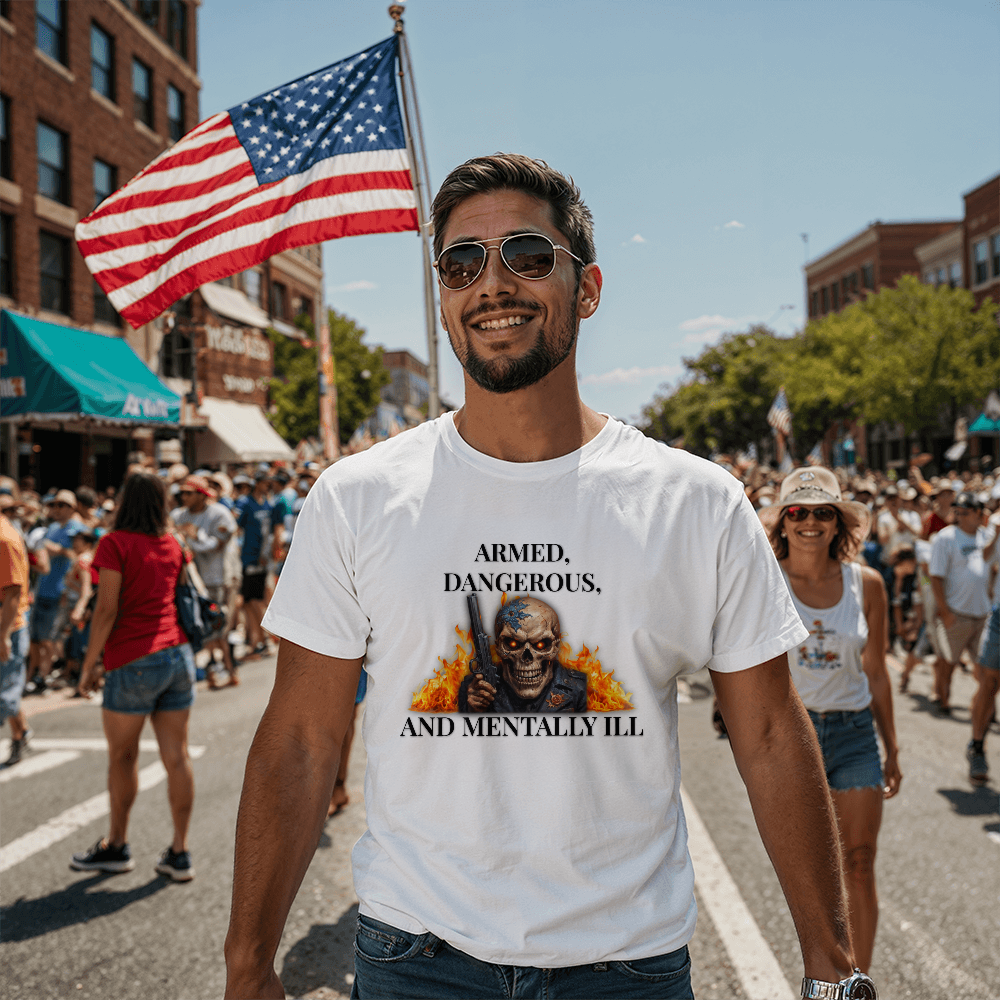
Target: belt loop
x=431 y=948
x=600 y=967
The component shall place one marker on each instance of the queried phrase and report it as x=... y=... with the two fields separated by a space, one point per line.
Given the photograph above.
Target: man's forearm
x=937 y=588
x=11 y=598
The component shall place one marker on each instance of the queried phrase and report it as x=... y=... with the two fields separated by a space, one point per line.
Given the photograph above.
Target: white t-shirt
x=958 y=558
x=551 y=839
x=827 y=667
x=215 y=527
x=899 y=537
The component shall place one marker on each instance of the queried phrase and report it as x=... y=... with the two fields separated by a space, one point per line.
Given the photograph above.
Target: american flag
x=315 y=159
x=780 y=416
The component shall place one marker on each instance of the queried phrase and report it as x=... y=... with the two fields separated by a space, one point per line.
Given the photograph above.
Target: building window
x=278 y=300
x=53 y=175
x=149 y=13
x=813 y=304
x=6 y=254
x=868 y=276
x=5 y=9
x=50 y=28
x=175 y=112
x=980 y=262
x=251 y=286
x=105 y=180
x=102 y=62
x=177 y=27
x=5 y=167
x=955 y=275
x=852 y=282
x=995 y=255
x=104 y=311
x=306 y=308
x=54 y=268
x=824 y=294
x=142 y=93
x=835 y=296
x=175 y=355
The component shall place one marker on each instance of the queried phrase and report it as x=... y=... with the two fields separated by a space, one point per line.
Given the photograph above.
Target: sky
x=706 y=137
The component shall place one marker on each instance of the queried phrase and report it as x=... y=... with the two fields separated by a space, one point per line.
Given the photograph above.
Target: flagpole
x=418 y=159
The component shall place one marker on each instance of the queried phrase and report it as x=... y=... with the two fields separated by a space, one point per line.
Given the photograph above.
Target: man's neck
x=541 y=422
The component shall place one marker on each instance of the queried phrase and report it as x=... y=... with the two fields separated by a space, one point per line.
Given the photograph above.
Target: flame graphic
x=440 y=692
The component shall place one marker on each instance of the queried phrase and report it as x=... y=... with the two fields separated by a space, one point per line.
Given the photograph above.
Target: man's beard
x=503 y=375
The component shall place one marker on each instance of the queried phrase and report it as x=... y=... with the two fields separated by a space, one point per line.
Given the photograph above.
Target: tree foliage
x=912 y=354
x=359 y=375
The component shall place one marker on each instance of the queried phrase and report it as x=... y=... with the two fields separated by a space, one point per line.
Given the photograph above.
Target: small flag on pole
x=780 y=416
x=315 y=159
x=815 y=457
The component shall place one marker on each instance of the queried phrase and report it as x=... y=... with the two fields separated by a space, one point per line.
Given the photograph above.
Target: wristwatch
x=856 y=987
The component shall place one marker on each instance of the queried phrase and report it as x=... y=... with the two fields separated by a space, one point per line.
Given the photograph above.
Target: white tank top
x=826 y=668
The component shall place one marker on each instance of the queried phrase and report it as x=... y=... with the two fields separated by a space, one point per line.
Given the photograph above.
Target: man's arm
x=10 y=600
x=945 y=613
x=779 y=760
x=289 y=778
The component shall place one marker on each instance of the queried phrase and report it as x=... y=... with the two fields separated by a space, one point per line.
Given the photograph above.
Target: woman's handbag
x=198 y=616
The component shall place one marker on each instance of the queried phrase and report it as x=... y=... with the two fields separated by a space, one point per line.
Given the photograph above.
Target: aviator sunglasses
x=801 y=513
x=528 y=255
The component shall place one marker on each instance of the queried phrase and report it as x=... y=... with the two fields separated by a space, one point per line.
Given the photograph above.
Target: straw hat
x=815 y=486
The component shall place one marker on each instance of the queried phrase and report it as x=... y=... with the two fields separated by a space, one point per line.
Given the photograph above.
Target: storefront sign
x=151 y=409
x=12 y=388
x=238 y=342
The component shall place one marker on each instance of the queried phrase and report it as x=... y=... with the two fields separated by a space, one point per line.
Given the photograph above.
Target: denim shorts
x=850 y=750
x=989 y=646
x=44 y=616
x=12 y=675
x=389 y=962
x=159 y=682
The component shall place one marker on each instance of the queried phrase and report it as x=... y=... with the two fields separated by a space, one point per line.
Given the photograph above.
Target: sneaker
x=17 y=748
x=102 y=857
x=978 y=768
x=176 y=866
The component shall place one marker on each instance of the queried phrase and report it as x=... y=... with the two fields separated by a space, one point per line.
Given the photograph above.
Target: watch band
x=857 y=986
x=817 y=989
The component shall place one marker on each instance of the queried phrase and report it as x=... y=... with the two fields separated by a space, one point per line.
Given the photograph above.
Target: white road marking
x=85 y=743
x=68 y=822
x=33 y=765
x=994 y=836
x=755 y=964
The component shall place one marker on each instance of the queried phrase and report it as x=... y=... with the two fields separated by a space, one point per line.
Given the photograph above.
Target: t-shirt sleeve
x=11 y=567
x=755 y=619
x=315 y=602
x=108 y=554
x=939 y=555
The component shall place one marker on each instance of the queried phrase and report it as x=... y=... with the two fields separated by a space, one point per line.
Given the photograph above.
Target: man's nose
x=497 y=278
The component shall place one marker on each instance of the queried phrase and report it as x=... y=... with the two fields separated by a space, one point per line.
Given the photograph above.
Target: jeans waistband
x=841 y=716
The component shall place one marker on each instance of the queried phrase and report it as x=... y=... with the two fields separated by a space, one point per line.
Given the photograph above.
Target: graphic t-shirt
x=827 y=667
x=549 y=837
x=147 y=609
x=957 y=557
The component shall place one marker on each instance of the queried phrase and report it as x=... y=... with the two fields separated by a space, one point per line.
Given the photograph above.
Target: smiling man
x=499 y=861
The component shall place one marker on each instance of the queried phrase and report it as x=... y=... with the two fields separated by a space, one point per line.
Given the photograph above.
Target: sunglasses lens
x=531 y=256
x=801 y=513
x=460 y=265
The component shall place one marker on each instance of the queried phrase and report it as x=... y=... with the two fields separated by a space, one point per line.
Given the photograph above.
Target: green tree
x=359 y=373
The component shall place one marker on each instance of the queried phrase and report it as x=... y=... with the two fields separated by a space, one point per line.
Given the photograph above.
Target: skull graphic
x=527 y=636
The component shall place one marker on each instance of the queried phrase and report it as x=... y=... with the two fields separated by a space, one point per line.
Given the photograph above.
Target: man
x=207 y=527
x=14 y=602
x=960 y=555
x=897 y=526
x=983 y=707
x=562 y=861
x=46 y=621
x=262 y=529
x=939 y=516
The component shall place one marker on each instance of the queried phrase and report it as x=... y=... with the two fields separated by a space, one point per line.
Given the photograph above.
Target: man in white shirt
x=494 y=853
x=897 y=527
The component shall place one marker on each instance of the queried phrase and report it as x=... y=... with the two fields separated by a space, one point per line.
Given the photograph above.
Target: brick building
x=92 y=91
x=981 y=240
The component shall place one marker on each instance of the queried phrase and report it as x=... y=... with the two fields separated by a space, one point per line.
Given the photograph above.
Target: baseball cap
x=968 y=500
x=197 y=484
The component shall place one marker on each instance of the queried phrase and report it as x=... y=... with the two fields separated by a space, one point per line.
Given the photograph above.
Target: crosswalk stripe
x=73 y=743
x=758 y=969
x=35 y=764
x=72 y=819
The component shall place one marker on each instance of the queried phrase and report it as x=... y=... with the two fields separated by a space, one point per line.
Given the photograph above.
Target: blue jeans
x=390 y=963
x=850 y=750
x=158 y=682
x=12 y=675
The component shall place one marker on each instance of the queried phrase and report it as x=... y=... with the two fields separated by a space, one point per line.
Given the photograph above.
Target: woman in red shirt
x=149 y=671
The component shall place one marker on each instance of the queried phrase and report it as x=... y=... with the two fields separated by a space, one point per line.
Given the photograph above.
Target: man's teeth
x=502 y=324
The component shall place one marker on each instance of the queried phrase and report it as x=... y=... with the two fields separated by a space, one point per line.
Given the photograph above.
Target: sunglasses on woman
x=528 y=255
x=801 y=513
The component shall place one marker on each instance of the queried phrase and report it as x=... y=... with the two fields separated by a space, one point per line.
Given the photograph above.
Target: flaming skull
x=527 y=637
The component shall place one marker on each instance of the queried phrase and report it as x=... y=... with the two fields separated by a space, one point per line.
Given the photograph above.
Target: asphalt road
x=71 y=934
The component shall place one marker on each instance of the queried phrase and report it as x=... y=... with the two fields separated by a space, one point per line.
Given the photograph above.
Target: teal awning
x=983 y=425
x=50 y=371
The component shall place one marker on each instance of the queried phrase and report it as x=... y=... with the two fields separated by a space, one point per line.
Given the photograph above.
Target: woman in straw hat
x=840 y=670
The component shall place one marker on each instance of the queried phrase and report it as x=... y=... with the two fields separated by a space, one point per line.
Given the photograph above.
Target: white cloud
x=708 y=322
x=637 y=239
x=355 y=286
x=703 y=338
x=631 y=376
x=734 y=225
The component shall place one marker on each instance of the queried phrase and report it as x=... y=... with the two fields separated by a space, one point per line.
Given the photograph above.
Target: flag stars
x=330 y=93
x=258 y=111
x=308 y=143
x=360 y=128
x=382 y=128
x=337 y=128
x=254 y=139
x=328 y=77
x=347 y=138
x=348 y=116
x=314 y=90
x=343 y=79
x=362 y=105
x=303 y=123
x=371 y=138
x=324 y=144
x=370 y=92
x=245 y=123
x=274 y=114
x=278 y=134
x=264 y=128
x=378 y=107
x=300 y=104
x=283 y=150
x=289 y=118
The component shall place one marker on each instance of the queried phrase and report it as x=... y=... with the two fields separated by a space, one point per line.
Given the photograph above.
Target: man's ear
x=589 y=293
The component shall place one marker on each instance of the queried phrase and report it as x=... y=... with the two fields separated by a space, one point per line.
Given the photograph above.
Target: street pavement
x=73 y=934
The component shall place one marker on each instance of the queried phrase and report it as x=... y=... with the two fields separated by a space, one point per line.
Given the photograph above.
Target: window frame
x=175 y=125
x=145 y=8
x=994 y=255
x=177 y=27
x=7 y=254
x=110 y=89
x=142 y=107
x=279 y=300
x=113 y=176
x=57 y=30
x=104 y=311
x=64 y=279
x=63 y=171
x=868 y=277
x=980 y=266
x=6 y=147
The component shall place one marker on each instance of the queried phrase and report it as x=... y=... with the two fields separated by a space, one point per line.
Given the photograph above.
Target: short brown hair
x=514 y=172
